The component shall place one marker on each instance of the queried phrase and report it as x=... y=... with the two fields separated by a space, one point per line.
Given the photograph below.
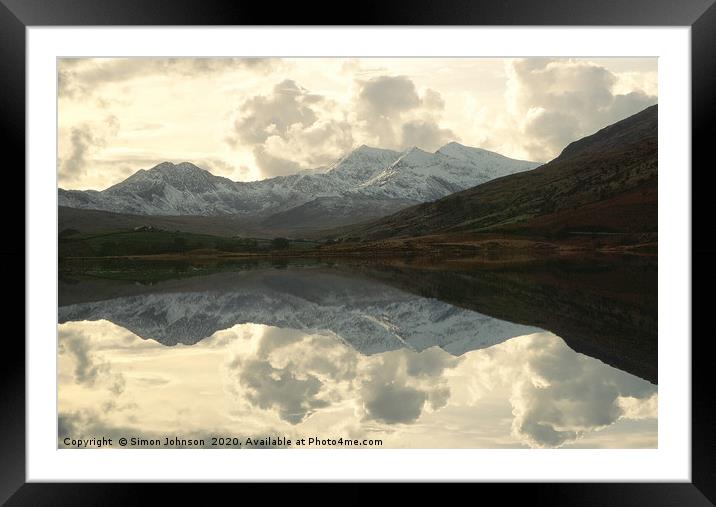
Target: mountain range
x=365 y=184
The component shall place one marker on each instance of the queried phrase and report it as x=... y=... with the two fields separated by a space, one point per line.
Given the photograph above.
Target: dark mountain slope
x=605 y=183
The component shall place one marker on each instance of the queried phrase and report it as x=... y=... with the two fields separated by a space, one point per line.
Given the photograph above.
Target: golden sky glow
x=249 y=119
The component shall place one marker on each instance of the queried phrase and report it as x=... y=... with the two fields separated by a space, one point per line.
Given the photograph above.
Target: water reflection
x=370 y=315
x=320 y=352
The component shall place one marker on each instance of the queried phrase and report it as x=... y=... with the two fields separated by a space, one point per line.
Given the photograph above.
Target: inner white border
x=671 y=461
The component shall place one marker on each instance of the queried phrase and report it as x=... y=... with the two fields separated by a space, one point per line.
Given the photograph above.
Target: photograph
x=357 y=252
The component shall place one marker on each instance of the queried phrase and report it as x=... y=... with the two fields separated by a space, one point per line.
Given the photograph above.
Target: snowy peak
x=461 y=152
x=370 y=151
x=470 y=154
x=424 y=176
x=363 y=159
x=183 y=176
x=416 y=156
x=414 y=175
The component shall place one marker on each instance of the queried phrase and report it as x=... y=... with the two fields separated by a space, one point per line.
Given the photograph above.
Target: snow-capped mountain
x=396 y=179
x=370 y=316
x=424 y=176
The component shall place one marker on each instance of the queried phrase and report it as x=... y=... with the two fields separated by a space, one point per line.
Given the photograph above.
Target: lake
x=408 y=354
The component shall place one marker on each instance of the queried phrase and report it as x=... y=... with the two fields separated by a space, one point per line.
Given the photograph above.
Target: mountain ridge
x=376 y=173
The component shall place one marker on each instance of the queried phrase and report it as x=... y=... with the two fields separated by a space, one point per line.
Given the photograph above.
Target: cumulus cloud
x=283 y=373
x=272 y=165
x=387 y=96
x=395 y=404
x=294 y=398
x=433 y=100
x=394 y=115
x=90 y=369
x=558 y=396
x=296 y=375
x=398 y=385
x=555 y=102
x=426 y=134
x=87 y=367
x=82 y=143
x=265 y=116
x=290 y=129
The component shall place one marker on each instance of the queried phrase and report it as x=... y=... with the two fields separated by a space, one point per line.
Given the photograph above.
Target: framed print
x=422 y=247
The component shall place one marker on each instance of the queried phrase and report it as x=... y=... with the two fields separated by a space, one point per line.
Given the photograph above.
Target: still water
x=393 y=357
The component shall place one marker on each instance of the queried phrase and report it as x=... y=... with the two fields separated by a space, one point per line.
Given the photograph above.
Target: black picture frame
x=17 y=15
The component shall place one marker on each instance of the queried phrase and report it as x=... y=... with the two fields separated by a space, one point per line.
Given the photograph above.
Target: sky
x=254 y=118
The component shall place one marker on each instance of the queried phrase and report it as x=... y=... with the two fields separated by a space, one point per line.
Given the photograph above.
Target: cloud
x=290 y=129
x=395 y=404
x=558 y=396
x=265 y=116
x=90 y=369
x=554 y=102
x=398 y=385
x=433 y=100
x=79 y=78
x=271 y=165
x=293 y=397
x=296 y=375
x=426 y=134
x=386 y=96
x=84 y=140
x=393 y=114
x=275 y=338
x=284 y=373
x=429 y=363
x=81 y=140
x=220 y=167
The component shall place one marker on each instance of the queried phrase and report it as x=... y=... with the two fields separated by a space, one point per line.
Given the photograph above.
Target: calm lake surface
x=412 y=356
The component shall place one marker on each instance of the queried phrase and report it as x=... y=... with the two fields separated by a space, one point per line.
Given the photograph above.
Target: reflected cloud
x=89 y=367
x=398 y=385
x=316 y=353
x=268 y=387
x=394 y=404
x=292 y=373
x=558 y=396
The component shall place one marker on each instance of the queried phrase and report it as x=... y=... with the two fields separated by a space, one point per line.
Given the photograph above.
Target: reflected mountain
x=369 y=315
x=604 y=308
